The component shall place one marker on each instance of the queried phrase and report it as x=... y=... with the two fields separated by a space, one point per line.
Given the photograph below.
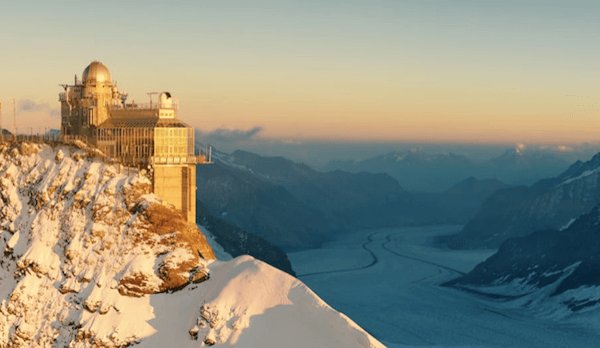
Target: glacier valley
x=389 y=282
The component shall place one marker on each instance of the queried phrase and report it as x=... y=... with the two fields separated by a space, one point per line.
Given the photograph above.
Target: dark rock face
x=518 y=211
x=236 y=241
x=567 y=259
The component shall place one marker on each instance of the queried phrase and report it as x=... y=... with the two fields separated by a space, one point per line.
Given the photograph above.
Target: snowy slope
x=92 y=259
x=555 y=273
x=248 y=303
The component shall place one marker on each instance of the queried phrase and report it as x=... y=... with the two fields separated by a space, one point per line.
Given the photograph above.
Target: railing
x=43 y=138
x=82 y=142
x=143 y=106
x=201 y=159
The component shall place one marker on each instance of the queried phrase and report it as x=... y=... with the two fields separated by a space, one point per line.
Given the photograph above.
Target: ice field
x=387 y=280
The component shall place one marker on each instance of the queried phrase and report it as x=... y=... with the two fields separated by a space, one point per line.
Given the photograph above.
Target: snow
x=585 y=174
x=84 y=266
x=568 y=224
x=399 y=299
x=246 y=310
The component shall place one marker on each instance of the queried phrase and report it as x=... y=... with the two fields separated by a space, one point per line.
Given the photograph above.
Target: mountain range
x=548 y=204
x=554 y=272
x=417 y=170
x=294 y=206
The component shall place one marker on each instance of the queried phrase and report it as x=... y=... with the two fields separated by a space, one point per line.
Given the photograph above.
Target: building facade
x=140 y=135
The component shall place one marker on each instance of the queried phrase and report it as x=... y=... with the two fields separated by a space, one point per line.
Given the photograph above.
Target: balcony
x=201 y=159
x=143 y=106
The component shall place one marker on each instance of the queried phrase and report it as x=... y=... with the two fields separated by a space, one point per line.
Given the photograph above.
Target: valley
x=388 y=281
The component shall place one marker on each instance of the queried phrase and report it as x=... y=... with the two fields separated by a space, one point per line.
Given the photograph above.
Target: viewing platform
x=198 y=159
x=81 y=141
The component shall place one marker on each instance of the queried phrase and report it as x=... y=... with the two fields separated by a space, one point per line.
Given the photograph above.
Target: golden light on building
x=140 y=135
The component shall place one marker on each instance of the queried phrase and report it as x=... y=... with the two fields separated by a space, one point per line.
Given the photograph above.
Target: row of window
x=145 y=142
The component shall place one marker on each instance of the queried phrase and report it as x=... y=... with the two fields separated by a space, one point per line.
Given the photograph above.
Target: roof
x=96 y=72
x=142 y=122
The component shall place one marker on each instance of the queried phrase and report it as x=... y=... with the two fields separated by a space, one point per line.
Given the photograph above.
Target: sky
x=329 y=70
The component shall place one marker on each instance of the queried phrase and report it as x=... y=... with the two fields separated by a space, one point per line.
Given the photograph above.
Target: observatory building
x=140 y=135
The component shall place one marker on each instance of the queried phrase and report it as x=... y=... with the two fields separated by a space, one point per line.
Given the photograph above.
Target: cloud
x=233 y=135
x=29 y=105
x=565 y=148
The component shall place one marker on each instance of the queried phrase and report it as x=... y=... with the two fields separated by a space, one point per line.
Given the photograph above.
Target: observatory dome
x=96 y=72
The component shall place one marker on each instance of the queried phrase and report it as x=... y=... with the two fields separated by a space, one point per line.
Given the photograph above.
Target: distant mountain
x=522 y=167
x=552 y=270
x=460 y=202
x=294 y=206
x=347 y=199
x=417 y=170
x=243 y=199
x=548 y=204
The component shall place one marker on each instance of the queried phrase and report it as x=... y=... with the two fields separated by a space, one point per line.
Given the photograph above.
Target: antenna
x=124 y=96
x=14 y=120
x=150 y=94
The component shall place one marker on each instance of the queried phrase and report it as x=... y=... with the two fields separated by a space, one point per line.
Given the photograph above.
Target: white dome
x=96 y=72
x=165 y=100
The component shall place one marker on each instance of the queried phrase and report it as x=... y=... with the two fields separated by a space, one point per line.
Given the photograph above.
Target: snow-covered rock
x=92 y=258
x=79 y=238
x=554 y=273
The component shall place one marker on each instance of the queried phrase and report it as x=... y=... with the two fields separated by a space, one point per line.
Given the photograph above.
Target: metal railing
x=82 y=142
x=44 y=138
x=199 y=159
x=143 y=106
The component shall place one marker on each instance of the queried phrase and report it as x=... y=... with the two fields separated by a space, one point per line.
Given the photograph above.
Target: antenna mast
x=150 y=94
x=14 y=120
